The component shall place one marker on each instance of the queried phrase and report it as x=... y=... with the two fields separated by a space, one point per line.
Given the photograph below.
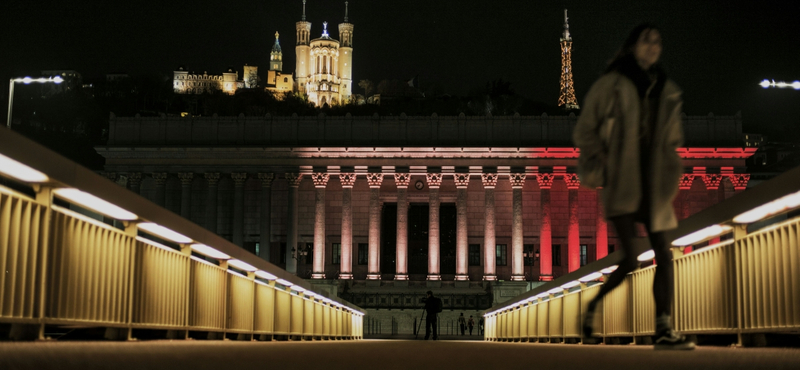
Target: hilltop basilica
x=323 y=68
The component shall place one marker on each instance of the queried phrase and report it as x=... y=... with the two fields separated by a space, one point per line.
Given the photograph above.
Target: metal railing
x=78 y=250
x=747 y=284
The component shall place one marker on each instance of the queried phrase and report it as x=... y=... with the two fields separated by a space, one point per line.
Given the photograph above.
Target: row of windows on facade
x=501 y=254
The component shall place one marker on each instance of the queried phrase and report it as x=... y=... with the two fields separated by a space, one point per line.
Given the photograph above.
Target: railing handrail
x=782 y=185
x=63 y=172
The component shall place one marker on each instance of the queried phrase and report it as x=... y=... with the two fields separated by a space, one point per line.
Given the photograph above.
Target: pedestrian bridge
x=78 y=250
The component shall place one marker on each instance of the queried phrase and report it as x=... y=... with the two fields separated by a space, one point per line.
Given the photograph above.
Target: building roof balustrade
x=386 y=131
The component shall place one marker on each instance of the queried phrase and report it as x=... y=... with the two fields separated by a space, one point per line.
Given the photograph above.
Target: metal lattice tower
x=567 y=98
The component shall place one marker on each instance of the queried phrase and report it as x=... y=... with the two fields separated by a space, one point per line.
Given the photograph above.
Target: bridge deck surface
x=380 y=354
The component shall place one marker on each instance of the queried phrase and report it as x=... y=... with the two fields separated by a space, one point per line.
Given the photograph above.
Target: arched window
x=286 y=79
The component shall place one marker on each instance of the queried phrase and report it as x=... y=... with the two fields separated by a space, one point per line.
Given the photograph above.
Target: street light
x=26 y=80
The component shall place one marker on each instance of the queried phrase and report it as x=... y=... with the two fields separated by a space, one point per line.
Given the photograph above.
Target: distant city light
x=781 y=85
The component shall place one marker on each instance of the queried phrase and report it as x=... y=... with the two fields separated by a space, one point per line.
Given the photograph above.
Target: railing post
x=44 y=196
x=739 y=233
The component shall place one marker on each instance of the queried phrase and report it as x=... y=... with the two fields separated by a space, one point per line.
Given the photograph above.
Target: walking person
x=628 y=132
x=462 y=323
x=470 y=324
x=480 y=326
x=432 y=308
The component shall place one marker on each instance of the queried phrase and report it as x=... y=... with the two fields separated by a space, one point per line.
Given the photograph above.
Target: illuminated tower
x=302 y=51
x=276 y=56
x=567 y=97
x=275 y=62
x=346 y=57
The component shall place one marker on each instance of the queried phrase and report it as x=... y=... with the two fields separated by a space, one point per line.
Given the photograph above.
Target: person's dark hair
x=626 y=52
x=625 y=63
x=429 y=292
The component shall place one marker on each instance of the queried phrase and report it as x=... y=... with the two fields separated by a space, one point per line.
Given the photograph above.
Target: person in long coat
x=629 y=129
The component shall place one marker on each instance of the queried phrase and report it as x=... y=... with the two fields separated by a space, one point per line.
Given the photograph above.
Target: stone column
x=685 y=189
x=545 y=181
x=517 y=265
x=434 y=255
x=601 y=229
x=462 y=181
x=265 y=219
x=135 y=181
x=574 y=228
x=186 y=193
x=294 y=180
x=489 y=244
x=401 y=270
x=346 y=262
x=161 y=183
x=739 y=181
x=320 y=183
x=374 y=268
x=712 y=182
x=238 y=207
x=211 y=202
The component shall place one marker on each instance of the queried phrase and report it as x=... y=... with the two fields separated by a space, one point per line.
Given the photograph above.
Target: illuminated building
x=190 y=83
x=276 y=80
x=398 y=205
x=567 y=98
x=324 y=65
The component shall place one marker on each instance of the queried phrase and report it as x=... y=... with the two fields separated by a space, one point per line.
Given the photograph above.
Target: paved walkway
x=380 y=355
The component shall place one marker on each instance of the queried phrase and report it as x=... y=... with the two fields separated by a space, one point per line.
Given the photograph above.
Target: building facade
x=324 y=66
x=388 y=204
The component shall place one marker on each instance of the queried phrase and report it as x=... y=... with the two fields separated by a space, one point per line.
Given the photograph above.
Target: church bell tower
x=346 y=56
x=302 y=52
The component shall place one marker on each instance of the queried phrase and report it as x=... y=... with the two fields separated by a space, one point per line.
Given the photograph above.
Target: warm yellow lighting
x=646 y=256
x=157 y=245
x=265 y=275
x=163 y=232
x=20 y=171
x=210 y=252
x=284 y=282
x=94 y=203
x=701 y=235
x=570 y=284
x=555 y=290
x=242 y=265
x=299 y=289
x=609 y=270
x=591 y=277
x=770 y=209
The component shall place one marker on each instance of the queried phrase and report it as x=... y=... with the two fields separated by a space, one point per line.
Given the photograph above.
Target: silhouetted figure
x=628 y=133
x=480 y=326
x=432 y=308
x=462 y=323
x=470 y=324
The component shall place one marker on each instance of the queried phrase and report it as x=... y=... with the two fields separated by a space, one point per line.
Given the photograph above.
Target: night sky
x=717 y=51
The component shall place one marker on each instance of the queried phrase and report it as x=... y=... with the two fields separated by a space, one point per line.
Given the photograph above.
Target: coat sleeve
x=586 y=136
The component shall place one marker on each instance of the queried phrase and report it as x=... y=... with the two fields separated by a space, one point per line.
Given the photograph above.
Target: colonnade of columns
x=434 y=181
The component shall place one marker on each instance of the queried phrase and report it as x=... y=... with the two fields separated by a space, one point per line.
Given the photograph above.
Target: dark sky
x=717 y=51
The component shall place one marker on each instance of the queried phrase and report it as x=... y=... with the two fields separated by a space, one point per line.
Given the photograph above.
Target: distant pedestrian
x=480 y=326
x=432 y=308
x=470 y=324
x=462 y=323
x=628 y=133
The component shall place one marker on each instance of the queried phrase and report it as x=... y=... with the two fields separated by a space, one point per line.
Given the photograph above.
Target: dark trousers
x=430 y=326
x=663 y=283
x=463 y=328
x=470 y=330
